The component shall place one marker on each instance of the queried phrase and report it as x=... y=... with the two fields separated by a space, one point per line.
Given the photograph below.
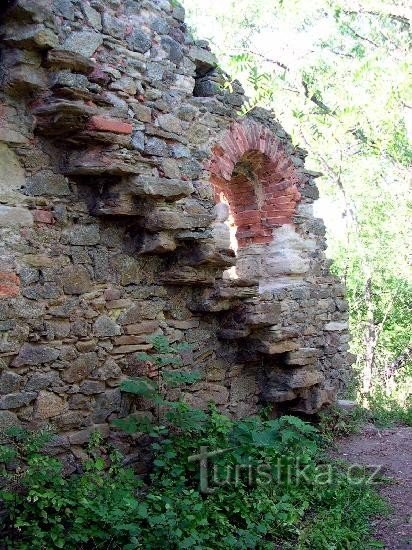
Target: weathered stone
x=15 y=216
x=40 y=381
x=138 y=41
x=113 y=26
x=140 y=311
x=106 y=404
x=98 y=162
x=82 y=235
x=25 y=79
x=11 y=173
x=129 y=270
x=278 y=396
x=31 y=36
x=169 y=189
x=47 y=183
x=8 y=420
x=10 y=382
x=81 y=368
x=159 y=243
x=83 y=436
x=303 y=356
x=92 y=15
x=38 y=260
x=83 y=42
x=76 y=280
x=48 y=405
x=170 y=123
x=91 y=387
x=142 y=112
x=131 y=348
x=173 y=49
x=295 y=378
x=110 y=370
x=203 y=59
x=275 y=348
x=30 y=354
x=156 y=147
x=17 y=400
x=104 y=327
x=336 y=326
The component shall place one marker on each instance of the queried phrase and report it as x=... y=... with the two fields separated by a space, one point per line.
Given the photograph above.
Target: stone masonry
x=135 y=201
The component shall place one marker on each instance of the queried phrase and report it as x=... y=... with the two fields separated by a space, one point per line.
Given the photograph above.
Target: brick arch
x=252 y=172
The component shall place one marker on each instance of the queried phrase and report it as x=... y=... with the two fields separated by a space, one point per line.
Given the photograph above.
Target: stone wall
x=134 y=201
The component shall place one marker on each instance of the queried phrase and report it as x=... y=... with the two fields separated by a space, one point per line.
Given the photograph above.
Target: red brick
x=261 y=239
x=114 y=125
x=9 y=284
x=43 y=216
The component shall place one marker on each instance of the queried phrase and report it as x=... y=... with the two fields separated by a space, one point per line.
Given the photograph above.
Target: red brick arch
x=251 y=169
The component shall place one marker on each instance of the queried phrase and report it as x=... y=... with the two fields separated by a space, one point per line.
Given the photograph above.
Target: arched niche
x=256 y=178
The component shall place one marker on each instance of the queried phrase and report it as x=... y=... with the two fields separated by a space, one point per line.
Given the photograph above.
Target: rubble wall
x=135 y=201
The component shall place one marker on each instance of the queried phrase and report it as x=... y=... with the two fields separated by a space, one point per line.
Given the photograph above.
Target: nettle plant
x=169 y=373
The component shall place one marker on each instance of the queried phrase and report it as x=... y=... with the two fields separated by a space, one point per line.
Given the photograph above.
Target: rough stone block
x=104 y=124
x=76 y=280
x=31 y=354
x=303 y=356
x=31 y=36
x=105 y=327
x=17 y=400
x=9 y=285
x=80 y=368
x=15 y=216
x=168 y=189
x=48 y=405
x=83 y=42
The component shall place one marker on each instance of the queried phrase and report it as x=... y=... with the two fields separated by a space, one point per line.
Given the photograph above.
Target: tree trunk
x=370 y=340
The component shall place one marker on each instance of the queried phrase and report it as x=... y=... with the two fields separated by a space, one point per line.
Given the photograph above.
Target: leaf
x=132 y=424
x=139 y=386
x=177 y=378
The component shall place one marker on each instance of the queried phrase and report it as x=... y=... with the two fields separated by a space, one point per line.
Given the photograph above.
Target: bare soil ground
x=391 y=449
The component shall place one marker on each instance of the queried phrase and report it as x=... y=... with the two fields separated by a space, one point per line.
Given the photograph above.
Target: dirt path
x=392 y=450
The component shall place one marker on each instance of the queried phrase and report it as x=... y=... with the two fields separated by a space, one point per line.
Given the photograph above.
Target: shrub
x=180 y=505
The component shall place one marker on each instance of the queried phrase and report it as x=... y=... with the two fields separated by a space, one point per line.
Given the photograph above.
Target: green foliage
x=337 y=422
x=178 y=414
x=388 y=411
x=268 y=485
x=47 y=510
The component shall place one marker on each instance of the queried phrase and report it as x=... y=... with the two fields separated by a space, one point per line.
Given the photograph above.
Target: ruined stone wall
x=135 y=201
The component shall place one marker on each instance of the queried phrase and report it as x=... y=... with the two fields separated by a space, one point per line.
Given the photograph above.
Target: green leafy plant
x=262 y=490
x=167 y=365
